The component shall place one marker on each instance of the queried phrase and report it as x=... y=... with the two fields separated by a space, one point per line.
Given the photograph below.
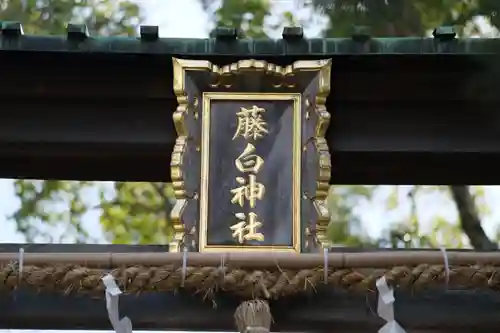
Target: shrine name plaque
x=250 y=168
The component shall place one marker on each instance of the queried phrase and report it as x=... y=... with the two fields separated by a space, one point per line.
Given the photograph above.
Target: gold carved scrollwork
x=177 y=168
x=318 y=107
x=280 y=76
x=284 y=81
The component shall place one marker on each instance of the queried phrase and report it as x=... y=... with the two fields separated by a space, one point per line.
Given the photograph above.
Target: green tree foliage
x=394 y=18
x=50 y=17
x=138 y=212
x=61 y=205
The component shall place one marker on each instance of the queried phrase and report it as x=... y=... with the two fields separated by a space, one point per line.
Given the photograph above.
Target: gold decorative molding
x=324 y=160
x=316 y=111
x=222 y=75
x=177 y=164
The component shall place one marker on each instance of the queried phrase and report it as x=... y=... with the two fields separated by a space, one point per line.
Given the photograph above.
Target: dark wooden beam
x=327 y=309
x=395 y=119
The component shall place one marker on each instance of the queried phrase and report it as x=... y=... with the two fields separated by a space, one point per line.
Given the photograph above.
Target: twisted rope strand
x=271 y=284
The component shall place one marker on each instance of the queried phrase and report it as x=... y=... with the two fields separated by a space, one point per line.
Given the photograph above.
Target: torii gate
x=403 y=110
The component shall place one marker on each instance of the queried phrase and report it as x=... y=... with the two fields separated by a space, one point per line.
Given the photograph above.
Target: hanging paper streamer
x=446 y=266
x=385 y=308
x=325 y=264
x=184 y=265
x=112 y=294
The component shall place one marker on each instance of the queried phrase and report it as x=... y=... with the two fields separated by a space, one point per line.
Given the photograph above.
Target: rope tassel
x=253 y=317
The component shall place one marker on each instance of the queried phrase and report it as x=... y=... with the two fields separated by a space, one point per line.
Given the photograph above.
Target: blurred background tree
x=50 y=17
x=138 y=212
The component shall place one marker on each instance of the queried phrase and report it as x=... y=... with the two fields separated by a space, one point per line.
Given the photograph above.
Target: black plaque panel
x=275 y=210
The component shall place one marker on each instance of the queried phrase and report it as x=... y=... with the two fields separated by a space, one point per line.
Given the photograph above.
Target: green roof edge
x=227 y=42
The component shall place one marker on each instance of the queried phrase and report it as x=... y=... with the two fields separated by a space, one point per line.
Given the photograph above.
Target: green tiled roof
x=227 y=42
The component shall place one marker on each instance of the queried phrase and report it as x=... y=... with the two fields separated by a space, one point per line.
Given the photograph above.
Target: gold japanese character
x=251 y=124
x=247 y=230
x=248 y=161
x=250 y=191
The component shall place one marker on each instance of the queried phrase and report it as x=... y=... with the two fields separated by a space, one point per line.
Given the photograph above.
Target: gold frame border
x=296 y=98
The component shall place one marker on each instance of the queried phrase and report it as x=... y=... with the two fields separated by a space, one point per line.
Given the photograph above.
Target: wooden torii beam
x=404 y=110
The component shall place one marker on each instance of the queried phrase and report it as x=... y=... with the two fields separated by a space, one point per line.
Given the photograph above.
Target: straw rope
x=250 y=284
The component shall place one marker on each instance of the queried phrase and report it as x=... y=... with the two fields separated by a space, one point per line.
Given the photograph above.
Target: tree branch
x=469 y=219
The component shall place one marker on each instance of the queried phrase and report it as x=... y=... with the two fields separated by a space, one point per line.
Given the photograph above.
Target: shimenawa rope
x=250 y=284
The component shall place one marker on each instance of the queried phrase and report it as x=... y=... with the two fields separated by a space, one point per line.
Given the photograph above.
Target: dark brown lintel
x=395 y=119
x=443 y=310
